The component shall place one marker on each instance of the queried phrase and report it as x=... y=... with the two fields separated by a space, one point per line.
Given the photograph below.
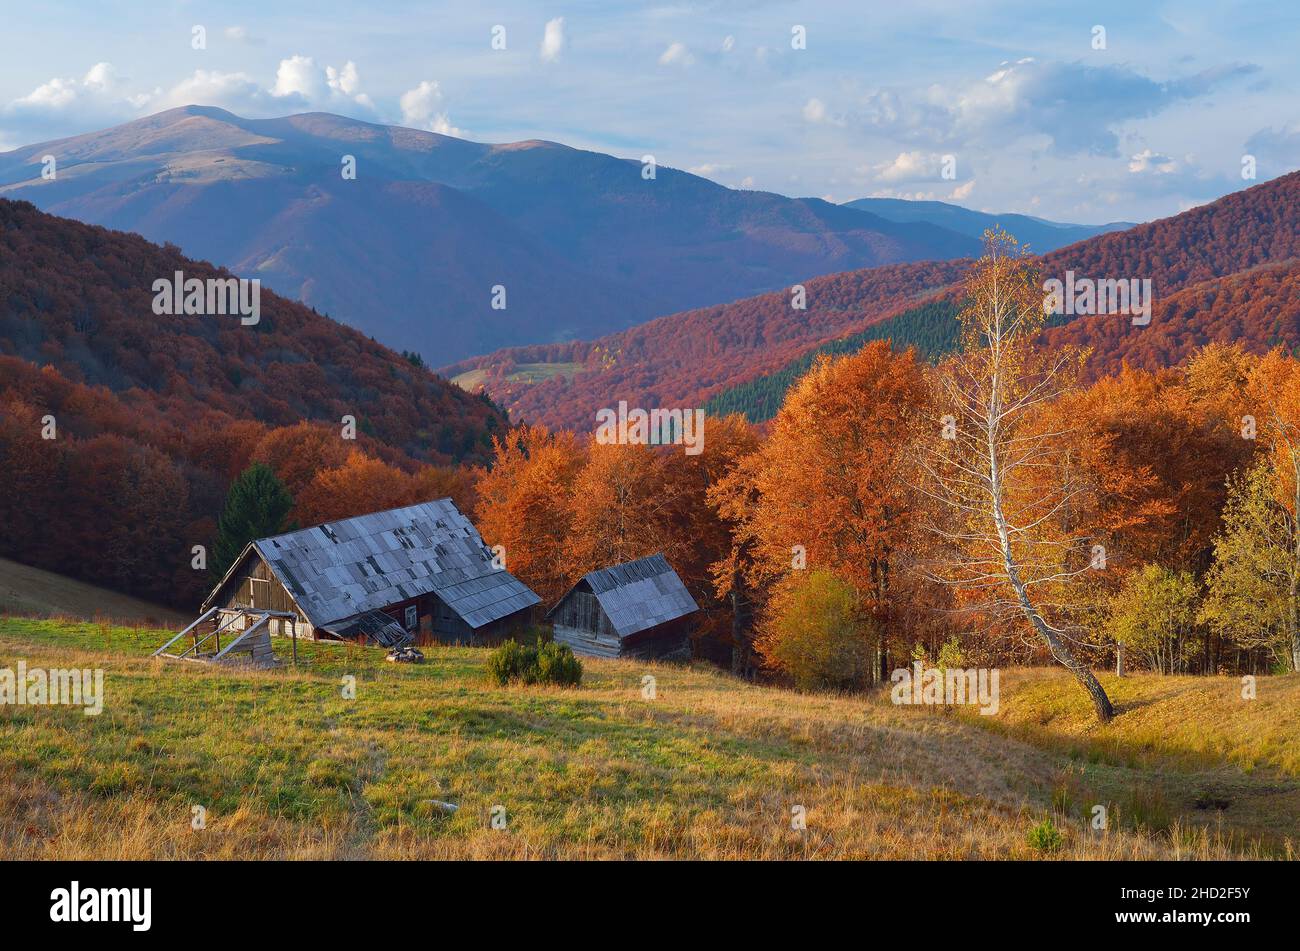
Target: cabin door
x=259 y=593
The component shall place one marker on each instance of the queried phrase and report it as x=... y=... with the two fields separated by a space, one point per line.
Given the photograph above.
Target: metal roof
x=638 y=595
x=340 y=569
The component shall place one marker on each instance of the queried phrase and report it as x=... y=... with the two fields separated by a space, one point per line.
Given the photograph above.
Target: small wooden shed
x=636 y=609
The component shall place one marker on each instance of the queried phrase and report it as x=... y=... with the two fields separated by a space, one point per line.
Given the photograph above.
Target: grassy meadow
x=286 y=767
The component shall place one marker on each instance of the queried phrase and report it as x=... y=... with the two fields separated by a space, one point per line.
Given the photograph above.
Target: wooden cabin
x=419 y=574
x=636 y=609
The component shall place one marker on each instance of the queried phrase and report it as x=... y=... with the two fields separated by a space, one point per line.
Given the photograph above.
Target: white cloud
x=962 y=191
x=709 y=169
x=345 y=80
x=62 y=93
x=299 y=84
x=299 y=76
x=55 y=94
x=676 y=55
x=102 y=97
x=102 y=77
x=1076 y=109
x=814 y=111
x=1153 y=162
x=240 y=34
x=552 y=39
x=237 y=92
x=66 y=105
x=912 y=166
x=422 y=109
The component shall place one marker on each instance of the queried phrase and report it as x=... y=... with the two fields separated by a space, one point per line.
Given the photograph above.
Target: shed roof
x=637 y=595
x=341 y=569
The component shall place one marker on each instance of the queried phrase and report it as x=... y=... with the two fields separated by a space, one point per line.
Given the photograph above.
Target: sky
x=1105 y=111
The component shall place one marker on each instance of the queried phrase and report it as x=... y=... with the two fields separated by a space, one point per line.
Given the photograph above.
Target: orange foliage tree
x=524 y=504
x=829 y=488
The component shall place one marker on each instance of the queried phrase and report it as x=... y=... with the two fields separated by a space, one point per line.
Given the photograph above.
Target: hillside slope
x=711 y=768
x=1236 y=250
x=79 y=299
x=682 y=359
x=121 y=430
x=410 y=250
x=28 y=591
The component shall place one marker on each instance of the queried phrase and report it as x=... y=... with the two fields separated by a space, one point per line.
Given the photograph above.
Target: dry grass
x=25 y=590
x=711 y=768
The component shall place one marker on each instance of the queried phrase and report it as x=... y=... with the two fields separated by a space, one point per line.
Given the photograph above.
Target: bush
x=557 y=665
x=1045 y=837
x=505 y=663
x=550 y=664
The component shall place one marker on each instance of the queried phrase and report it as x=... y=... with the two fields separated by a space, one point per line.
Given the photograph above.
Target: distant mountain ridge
x=1040 y=234
x=434 y=230
x=1224 y=271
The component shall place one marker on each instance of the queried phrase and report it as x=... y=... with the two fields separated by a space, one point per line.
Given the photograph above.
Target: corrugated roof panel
x=639 y=595
x=365 y=563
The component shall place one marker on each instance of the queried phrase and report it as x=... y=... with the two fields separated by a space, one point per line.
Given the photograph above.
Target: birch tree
x=1004 y=473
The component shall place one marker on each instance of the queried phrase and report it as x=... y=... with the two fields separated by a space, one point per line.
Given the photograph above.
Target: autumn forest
x=1151 y=510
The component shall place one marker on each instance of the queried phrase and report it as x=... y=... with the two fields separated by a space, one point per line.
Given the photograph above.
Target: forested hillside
x=1201 y=265
x=682 y=359
x=120 y=430
x=931 y=328
x=1258 y=309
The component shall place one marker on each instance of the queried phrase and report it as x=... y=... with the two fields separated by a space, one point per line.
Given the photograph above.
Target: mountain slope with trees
x=682 y=359
x=120 y=429
x=1041 y=235
x=410 y=249
x=1218 y=272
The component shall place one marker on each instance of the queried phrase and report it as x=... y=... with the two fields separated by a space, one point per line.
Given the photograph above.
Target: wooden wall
x=581 y=623
x=253 y=585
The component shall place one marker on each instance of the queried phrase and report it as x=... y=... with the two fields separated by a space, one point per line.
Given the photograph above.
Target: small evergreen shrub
x=504 y=663
x=1046 y=837
x=557 y=665
x=550 y=664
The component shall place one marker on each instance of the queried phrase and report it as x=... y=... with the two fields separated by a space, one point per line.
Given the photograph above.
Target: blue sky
x=1034 y=117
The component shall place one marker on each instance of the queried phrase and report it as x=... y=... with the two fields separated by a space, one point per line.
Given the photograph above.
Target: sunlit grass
x=286 y=767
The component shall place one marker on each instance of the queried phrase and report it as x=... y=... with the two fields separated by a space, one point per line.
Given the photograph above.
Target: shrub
x=504 y=663
x=1046 y=837
x=557 y=665
x=550 y=664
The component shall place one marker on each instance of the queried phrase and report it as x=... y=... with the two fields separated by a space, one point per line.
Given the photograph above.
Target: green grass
x=287 y=767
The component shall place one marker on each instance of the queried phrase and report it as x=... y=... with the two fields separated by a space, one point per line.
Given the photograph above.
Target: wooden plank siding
x=254 y=585
x=580 y=622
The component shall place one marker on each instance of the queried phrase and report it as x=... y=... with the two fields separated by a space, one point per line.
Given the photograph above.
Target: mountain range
x=414 y=249
x=1226 y=271
x=1039 y=234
